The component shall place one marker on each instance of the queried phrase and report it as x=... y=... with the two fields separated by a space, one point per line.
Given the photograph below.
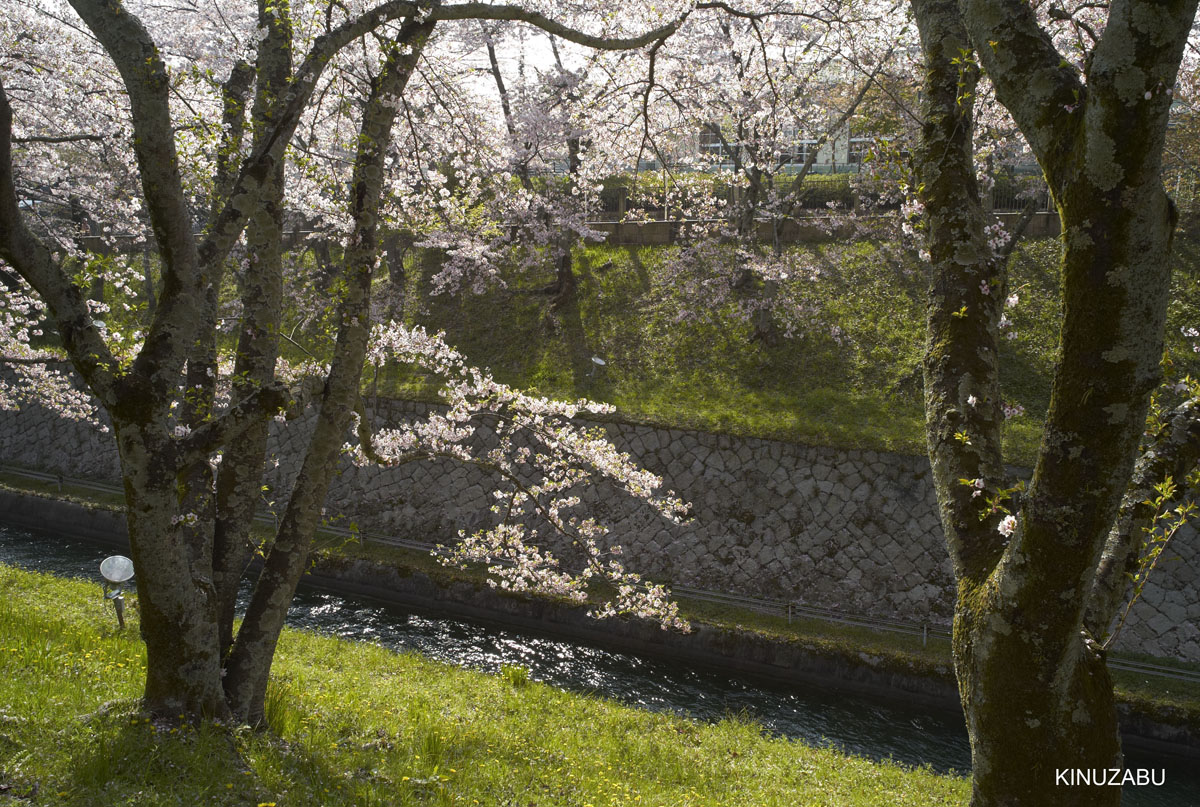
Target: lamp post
x=116 y=571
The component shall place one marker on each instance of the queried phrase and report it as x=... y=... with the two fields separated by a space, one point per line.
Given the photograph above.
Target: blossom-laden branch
x=543 y=460
x=33 y=261
x=36 y=374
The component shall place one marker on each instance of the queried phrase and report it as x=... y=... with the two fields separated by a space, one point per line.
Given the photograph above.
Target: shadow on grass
x=569 y=318
x=125 y=756
x=639 y=268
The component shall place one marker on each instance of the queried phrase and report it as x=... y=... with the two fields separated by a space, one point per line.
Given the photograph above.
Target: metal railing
x=789 y=610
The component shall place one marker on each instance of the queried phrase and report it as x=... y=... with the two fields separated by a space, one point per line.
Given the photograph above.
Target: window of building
x=859 y=147
x=711 y=145
x=801 y=150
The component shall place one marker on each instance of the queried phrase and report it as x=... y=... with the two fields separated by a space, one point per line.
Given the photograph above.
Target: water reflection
x=860 y=726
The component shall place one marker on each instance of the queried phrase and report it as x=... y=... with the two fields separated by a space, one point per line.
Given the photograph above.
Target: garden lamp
x=116 y=571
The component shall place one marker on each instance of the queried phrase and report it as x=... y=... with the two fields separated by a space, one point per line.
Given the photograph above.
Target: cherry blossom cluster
x=997 y=236
x=1190 y=332
x=543 y=459
x=38 y=372
x=1011 y=410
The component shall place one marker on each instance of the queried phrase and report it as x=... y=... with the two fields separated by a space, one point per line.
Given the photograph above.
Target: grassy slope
x=701 y=373
x=357 y=725
x=705 y=372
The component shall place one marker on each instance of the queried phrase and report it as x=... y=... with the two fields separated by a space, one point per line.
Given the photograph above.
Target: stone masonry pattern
x=855 y=531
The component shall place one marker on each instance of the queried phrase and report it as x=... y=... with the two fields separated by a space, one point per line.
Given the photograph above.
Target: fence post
x=924 y=634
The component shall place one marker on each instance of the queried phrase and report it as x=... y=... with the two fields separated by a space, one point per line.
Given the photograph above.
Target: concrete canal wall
x=855 y=531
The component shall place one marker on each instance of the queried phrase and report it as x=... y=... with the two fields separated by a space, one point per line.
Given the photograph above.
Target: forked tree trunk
x=248 y=666
x=177 y=592
x=175 y=598
x=1032 y=710
x=1034 y=687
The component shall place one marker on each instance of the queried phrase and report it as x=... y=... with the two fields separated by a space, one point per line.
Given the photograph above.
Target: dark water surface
x=869 y=727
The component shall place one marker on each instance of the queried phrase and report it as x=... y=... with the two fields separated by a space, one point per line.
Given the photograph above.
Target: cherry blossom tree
x=524 y=198
x=1092 y=102
x=764 y=98
x=131 y=120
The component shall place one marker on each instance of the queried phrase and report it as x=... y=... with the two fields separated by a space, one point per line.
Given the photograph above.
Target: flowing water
x=872 y=727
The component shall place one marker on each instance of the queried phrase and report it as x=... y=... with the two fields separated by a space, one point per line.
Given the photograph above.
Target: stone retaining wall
x=852 y=530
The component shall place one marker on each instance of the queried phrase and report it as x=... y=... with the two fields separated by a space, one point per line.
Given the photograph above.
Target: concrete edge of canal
x=742 y=654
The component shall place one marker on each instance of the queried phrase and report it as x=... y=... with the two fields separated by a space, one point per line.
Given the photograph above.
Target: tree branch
x=75 y=138
x=226 y=225
x=233 y=118
x=144 y=74
x=1173 y=452
x=1018 y=230
x=795 y=191
x=1032 y=79
x=34 y=362
x=485 y=11
x=962 y=391
x=272 y=399
x=32 y=260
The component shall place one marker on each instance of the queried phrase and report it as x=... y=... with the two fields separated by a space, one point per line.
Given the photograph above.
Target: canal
x=866 y=726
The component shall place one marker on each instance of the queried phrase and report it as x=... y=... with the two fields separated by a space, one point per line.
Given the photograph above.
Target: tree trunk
x=239 y=481
x=248 y=667
x=249 y=664
x=175 y=598
x=1033 y=682
x=565 y=282
x=1031 y=711
x=396 y=246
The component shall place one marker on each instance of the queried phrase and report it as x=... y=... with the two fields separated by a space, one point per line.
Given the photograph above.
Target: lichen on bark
x=1034 y=686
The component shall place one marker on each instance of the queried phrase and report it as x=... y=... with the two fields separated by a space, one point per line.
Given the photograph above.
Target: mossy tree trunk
x=1032 y=678
x=175 y=572
x=260 y=288
x=249 y=664
x=176 y=599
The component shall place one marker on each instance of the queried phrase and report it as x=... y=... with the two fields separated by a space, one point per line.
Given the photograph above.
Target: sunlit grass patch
x=850 y=378
x=355 y=724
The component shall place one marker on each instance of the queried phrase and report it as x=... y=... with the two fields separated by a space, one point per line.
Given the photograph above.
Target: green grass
x=706 y=371
x=354 y=724
x=703 y=373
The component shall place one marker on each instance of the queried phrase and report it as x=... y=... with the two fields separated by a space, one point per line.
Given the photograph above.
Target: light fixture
x=116 y=571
